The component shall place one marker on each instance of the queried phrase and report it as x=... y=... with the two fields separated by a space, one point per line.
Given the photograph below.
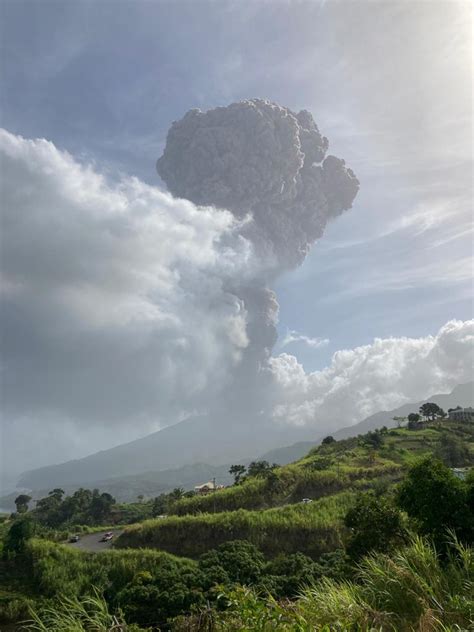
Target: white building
x=462 y=414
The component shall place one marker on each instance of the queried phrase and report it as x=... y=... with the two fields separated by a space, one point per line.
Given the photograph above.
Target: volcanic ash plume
x=255 y=157
x=261 y=160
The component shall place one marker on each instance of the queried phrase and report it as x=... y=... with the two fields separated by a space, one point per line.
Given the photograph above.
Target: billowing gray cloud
x=260 y=158
x=265 y=163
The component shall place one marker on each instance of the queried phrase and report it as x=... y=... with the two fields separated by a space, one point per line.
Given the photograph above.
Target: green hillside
x=268 y=511
x=186 y=571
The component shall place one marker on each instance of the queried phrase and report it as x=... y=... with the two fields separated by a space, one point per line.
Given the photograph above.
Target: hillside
x=200 y=440
x=462 y=395
x=329 y=475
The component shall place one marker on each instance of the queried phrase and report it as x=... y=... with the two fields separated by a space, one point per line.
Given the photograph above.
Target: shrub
x=375 y=524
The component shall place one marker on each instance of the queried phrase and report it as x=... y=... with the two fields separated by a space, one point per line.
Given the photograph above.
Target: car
x=74 y=538
x=107 y=536
x=306 y=501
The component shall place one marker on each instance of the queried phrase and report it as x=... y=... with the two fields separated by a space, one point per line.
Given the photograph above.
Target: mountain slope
x=462 y=395
x=207 y=440
x=197 y=440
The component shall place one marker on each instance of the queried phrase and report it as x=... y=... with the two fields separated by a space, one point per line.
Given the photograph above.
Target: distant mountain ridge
x=168 y=452
x=462 y=395
x=197 y=440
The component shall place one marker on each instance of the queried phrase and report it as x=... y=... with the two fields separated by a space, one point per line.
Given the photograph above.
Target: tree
x=399 y=421
x=234 y=561
x=413 y=421
x=328 y=440
x=101 y=506
x=373 y=439
x=290 y=573
x=260 y=468
x=160 y=505
x=436 y=500
x=21 y=503
x=237 y=471
x=453 y=451
x=57 y=494
x=375 y=524
x=140 y=498
x=431 y=411
x=21 y=530
x=176 y=494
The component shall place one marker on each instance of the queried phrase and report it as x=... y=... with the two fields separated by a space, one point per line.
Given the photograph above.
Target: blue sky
x=388 y=83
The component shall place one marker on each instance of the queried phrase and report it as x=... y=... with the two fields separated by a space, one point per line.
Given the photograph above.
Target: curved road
x=92 y=541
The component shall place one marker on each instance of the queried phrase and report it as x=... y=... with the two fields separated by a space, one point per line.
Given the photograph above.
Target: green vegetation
x=384 y=544
x=312 y=529
x=335 y=466
x=408 y=591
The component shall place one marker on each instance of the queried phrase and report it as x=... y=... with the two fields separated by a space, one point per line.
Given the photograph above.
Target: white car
x=306 y=501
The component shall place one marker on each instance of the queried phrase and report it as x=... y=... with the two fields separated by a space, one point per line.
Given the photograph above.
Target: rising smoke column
x=258 y=159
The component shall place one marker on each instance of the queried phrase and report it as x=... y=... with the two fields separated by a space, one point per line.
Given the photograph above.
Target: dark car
x=74 y=538
x=107 y=536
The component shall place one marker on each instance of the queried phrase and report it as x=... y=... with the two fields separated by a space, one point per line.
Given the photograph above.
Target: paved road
x=91 y=541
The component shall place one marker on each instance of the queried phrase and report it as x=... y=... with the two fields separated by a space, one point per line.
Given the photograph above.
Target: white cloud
x=293 y=336
x=383 y=375
x=114 y=302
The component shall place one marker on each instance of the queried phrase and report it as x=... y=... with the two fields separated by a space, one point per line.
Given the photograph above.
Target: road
x=91 y=541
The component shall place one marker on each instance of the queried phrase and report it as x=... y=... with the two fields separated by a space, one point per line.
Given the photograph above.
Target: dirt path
x=92 y=541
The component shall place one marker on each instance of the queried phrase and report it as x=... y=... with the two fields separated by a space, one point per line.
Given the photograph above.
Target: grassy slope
x=309 y=528
x=328 y=474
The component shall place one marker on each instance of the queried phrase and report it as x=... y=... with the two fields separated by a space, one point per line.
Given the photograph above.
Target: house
x=208 y=487
x=462 y=414
x=460 y=472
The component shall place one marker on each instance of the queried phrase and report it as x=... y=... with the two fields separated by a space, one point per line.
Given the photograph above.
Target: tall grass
x=313 y=529
x=411 y=591
x=295 y=481
x=58 y=569
x=71 y=614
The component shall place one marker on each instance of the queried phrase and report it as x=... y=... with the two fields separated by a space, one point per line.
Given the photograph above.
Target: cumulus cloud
x=116 y=304
x=380 y=376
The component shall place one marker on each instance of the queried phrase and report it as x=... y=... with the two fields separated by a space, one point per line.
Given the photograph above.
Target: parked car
x=74 y=538
x=107 y=536
x=306 y=501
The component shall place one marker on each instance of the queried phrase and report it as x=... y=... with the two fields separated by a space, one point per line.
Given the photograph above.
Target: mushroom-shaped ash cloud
x=256 y=157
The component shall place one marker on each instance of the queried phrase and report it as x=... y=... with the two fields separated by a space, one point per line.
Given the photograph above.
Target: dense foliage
x=384 y=544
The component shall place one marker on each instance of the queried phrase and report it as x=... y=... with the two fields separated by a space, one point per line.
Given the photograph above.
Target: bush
x=237 y=561
x=436 y=500
x=375 y=525
x=405 y=591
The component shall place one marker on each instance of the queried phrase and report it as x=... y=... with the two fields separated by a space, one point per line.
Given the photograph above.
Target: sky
x=389 y=84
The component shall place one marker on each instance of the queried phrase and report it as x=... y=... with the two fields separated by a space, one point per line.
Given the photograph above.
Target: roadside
x=92 y=541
